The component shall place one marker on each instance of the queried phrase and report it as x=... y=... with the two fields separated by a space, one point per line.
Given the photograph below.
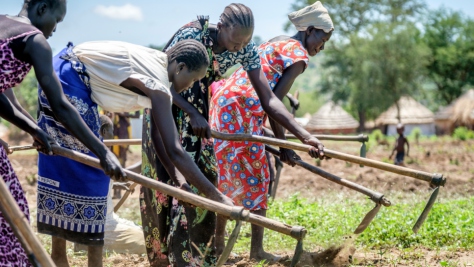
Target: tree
x=373 y=71
x=376 y=55
x=450 y=36
x=354 y=16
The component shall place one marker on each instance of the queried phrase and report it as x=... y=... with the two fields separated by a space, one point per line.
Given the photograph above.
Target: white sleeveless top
x=109 y=63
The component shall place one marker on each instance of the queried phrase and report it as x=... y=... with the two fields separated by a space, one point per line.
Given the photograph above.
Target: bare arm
x=198 y=122
x=12 y=97
x=280 y=91
x=40 y=54
x=277 y=111
x=163 y=120
x=13 y=115
x=160 y=150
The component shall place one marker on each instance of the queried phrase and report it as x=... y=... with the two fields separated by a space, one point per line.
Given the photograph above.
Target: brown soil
x=453 y=159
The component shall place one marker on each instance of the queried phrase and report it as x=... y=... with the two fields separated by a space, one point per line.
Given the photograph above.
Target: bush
x=377 y=135
x=415 y=134
x=462 y=133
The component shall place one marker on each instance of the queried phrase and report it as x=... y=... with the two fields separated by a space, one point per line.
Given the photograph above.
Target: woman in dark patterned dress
x=23 y=45
x=170 y=228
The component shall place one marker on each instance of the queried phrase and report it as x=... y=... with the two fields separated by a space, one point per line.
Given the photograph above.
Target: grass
x=331 y=222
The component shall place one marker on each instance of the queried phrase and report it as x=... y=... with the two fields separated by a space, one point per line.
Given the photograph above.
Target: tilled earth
x=454 y=159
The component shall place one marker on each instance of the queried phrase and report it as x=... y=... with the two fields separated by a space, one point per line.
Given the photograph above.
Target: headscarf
x=315 y=15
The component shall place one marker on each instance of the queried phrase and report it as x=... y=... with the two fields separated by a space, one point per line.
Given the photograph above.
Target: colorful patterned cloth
x=11 y=251
x=12 y=70
x=170 y=227
x=235 y=108
x=72 y=197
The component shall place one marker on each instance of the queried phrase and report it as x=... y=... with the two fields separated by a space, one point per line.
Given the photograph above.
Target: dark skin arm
x=277 y=111
x=12 y=97
x=281 y=90
x=10 y=113
x=39 y=52
x=160 y=150
x=164 y=125
x=198 y=122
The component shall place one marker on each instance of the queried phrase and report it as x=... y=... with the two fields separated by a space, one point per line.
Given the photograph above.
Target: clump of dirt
x=334 y=256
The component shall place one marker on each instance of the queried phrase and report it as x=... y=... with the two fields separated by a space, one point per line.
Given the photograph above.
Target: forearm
x=277 y=111
x=277 y=129
x=160 y=150
x=10 y=113
x=69 y=117
x=176 y=154
x=183 y=104
x=12 y=97
x=193 y=175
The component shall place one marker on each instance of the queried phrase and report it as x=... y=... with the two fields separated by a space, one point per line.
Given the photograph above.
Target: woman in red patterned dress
x=238 y=107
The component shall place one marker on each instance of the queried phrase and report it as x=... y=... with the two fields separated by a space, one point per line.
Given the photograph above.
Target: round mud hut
x=409 y=112
x=332 y=119
x=459 y=113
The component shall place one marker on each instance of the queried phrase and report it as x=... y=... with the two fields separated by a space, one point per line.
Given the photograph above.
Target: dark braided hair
x=50 y=3
x=237 y=15
x=190 y=52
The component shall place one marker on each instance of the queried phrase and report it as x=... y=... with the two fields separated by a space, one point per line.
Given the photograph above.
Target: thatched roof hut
x=332 y=119
x=412 y=115
x=459 y=113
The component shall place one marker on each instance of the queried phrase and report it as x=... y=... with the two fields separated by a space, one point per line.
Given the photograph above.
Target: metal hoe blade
x=363 y=152
x=367 y=219
x=298 y=253
x=230 y=244
x=427 y=210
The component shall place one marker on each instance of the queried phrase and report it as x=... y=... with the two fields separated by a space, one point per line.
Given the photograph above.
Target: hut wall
x=426 y=129
x=444 y=127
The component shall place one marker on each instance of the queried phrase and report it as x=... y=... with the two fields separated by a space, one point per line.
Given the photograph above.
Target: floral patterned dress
x=235 y=108
x=169 y=227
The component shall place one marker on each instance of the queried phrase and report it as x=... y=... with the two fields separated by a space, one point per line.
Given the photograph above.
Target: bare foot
x=262 y=255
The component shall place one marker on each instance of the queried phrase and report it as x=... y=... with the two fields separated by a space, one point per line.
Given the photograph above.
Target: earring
x=177 y=72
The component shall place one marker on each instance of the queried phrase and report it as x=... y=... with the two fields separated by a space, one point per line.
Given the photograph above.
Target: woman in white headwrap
x=238 y=107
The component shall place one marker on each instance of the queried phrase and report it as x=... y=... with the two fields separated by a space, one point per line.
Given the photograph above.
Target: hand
x=111 y=166
x=200 y=125
x=6 y=146
x=317 y=151
x=289 y=156
x=43 y=142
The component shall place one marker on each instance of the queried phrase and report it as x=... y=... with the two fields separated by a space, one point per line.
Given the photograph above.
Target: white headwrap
x=314 y=15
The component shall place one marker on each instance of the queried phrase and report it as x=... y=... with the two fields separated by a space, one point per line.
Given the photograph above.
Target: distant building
x=459 y=113
x=412 y=115
x=332 y=119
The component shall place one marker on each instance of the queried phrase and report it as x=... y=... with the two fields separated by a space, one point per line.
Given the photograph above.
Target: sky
x=146 y=22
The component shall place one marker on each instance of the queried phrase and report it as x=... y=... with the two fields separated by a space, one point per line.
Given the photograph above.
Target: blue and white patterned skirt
x=72 y=197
